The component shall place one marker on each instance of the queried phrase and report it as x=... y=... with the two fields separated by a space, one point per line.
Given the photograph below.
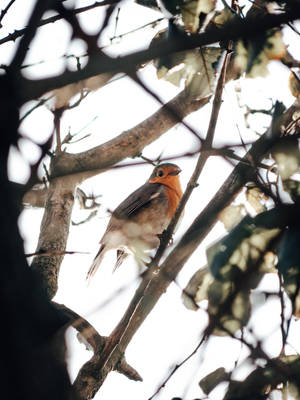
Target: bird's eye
x=160 y=173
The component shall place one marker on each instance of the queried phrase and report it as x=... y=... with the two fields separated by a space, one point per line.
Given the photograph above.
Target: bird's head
x=167 y=174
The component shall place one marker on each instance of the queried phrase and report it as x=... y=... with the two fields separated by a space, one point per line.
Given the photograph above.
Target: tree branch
x=128 y=144
x=39 y=9
x=233 y=30
x=58 y=209
x=156 y=280
x=88 y=335
x=15 y=35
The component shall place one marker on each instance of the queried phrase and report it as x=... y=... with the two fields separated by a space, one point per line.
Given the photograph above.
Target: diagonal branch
x=128 y=144
x=88 y=335
x=203 y=157
x=157 y=280
x=5 y=10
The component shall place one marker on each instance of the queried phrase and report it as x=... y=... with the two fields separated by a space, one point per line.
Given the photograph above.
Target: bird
x=136 y=224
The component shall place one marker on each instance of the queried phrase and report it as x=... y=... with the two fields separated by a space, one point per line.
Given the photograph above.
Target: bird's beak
x=176 y=172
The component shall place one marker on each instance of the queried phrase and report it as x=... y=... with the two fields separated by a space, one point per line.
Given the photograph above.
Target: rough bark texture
x=54 y=233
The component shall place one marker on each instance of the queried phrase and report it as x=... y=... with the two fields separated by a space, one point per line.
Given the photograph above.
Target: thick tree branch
x=99 y=63
x=88 y=335
x=128 y=144
x=54 y=233
x=35 y=197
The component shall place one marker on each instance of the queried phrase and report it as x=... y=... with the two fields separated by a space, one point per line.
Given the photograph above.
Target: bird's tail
x=96 y=263
x=121 y=256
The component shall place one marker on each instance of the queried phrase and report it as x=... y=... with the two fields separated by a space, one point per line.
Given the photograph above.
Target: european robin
x=137 y=223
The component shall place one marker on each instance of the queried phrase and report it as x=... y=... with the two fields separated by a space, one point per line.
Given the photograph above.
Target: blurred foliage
x=279 y=373
x=287 y=156
x=259 y=384
x=249 y=55
x=196 y=68
x=289 y=265
x=253 y=55
x=238 y=264
x=294 y=83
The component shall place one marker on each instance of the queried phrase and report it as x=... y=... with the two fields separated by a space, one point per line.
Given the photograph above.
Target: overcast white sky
x=171 y=332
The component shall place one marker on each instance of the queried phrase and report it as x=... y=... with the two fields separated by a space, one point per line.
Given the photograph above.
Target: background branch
x=100 y=63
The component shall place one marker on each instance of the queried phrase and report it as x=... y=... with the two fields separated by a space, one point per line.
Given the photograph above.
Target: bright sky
x=170 y=332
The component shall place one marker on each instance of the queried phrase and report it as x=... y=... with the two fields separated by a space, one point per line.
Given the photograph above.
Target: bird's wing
x=138 y=199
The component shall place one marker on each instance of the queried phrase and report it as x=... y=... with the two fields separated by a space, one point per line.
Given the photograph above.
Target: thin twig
x=152 y=24
x=54 y=253
x=57 y=119
x=177 y=366
x=18 y=33
x=116 y=21
x=173 y=112
x=37 y=105
x=4 y=11
x=89 y=218
x=204 y=155
x=282 y=317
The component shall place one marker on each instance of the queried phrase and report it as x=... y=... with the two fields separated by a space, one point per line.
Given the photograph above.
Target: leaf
x=253 y=55
x=292 y=187
x=274 y=47
x=289 y=265
x=287 y=156
x=231 y=216
x=237 y=314
x=223 y=16
x=255 y=198
x=196 y=289
x=201 y=70
x=238 y=263
x=170 y=6
x=191 y=10
x=196 y=68
x=260 y=382
x=164 y=64
x=212 y=380
x=294 y=83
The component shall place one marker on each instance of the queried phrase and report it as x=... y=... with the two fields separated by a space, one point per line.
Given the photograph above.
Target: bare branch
x=4 y=11
x=203 y=157
x=54 y=253
x=177 y=366
x=102 y=63
x=130 y=143
x=35 y=17
x=50 y=20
